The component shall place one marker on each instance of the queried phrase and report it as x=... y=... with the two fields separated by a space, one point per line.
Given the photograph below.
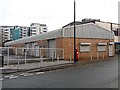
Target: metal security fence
x=29 y=58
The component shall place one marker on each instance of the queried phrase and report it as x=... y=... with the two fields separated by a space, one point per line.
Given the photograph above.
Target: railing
x=29 y=58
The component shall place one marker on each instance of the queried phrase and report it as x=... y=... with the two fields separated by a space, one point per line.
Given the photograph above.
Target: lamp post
x=74 y=32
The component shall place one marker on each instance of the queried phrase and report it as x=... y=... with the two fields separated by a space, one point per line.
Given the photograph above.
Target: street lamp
x=74 y=32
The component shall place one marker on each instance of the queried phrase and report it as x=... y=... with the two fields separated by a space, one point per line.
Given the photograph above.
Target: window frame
x=85 y=44
x=102 y=45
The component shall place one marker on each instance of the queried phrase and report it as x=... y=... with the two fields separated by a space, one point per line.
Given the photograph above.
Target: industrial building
x=92 y=42
x=116 y=29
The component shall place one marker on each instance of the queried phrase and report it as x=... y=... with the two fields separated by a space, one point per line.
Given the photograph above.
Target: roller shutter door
x=51 y=52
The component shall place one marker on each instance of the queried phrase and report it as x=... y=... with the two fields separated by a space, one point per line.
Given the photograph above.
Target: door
x=110 y=50
x=37 y=51
x=51 y=52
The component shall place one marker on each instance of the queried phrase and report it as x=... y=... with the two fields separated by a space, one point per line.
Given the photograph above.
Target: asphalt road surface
x=99 y=75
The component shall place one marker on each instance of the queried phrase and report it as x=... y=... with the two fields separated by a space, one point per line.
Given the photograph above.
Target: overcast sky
x=55 y=13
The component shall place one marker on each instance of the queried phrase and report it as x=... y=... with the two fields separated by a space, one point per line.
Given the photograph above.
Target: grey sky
x=55 y=13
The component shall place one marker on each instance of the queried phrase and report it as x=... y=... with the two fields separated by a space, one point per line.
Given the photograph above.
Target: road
x=99 y=75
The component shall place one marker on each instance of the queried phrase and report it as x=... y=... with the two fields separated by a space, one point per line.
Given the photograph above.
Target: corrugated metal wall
x=88 y=31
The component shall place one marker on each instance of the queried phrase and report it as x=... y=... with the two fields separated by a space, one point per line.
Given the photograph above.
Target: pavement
x=32 y=67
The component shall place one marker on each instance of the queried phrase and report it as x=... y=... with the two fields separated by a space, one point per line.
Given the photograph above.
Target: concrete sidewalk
x=36 y=67
x=33 y=66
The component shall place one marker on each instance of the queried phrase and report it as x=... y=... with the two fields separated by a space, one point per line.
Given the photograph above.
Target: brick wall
x=68 y=45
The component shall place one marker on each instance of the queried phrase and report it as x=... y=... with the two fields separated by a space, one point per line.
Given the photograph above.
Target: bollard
x=70 y=58
x=91 y=56
x=103 y=56
x=97 y=55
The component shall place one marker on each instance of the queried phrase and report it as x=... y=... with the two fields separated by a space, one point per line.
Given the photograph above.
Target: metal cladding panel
x=48 y=35
x=88 y=31
x=68 y=32
x=79 y=32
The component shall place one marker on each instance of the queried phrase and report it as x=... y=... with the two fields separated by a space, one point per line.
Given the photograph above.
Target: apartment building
x=15 y=33
x=25 y=31
x=10 y=33
x=6 y=32
x=36 y=28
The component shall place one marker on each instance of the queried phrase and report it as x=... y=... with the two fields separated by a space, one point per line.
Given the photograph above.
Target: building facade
x=92 y=42
x=36 y=28
x=10 y=33
x=5 y=32
x=25 y=31
x=15 y=33
x=116 y=29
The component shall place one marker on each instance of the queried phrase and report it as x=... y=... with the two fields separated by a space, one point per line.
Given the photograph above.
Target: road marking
x=1 y=79
x=40 y=73
x=25 y=74
x=31 y=74
x=28 y=74
x=22 y=74
x=13 y=77
x=6 y=76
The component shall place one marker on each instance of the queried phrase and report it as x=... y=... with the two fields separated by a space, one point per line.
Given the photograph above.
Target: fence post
x=103 y=56
x=58 y=59
x=63 y=53
x=18 y=63
x=41 y=61
x=25 y=61
x=52 y=55
x=8 y=57
x=55 y=54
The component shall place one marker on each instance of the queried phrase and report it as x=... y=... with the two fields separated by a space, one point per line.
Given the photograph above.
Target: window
x=33 y=27
x=44 y=28
x=85 y=47
x=33 y=30
x=101 y=47
x=117 y=32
